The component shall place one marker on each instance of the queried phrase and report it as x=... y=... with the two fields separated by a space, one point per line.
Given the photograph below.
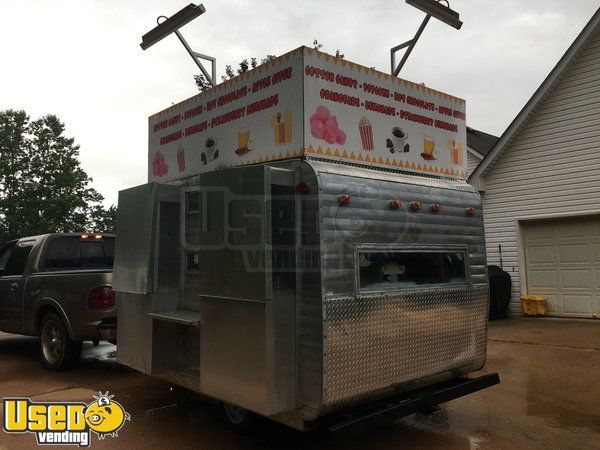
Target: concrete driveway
x=549 y=397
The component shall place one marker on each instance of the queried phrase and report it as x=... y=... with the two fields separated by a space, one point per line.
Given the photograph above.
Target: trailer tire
x=238 y=419
x=57 y=349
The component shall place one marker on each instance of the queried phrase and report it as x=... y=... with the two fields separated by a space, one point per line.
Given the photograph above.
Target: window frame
x=411 y=248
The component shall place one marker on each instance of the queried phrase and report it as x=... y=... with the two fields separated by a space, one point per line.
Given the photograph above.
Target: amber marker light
x=344 y=199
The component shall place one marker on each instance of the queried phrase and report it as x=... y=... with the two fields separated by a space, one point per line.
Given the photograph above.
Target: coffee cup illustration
x=210 y=152
x=399 y=139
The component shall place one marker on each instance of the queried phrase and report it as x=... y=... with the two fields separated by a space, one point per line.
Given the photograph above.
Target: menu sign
x=308 y=103
x=362 y=116
x=252 y=118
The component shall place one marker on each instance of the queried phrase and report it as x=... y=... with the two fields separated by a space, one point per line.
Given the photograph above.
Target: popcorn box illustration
x=366 y=133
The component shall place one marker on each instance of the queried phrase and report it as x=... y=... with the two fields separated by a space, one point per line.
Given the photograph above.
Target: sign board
x=308 y=103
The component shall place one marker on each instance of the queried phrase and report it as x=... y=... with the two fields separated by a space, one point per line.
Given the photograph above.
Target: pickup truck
x=58 y=287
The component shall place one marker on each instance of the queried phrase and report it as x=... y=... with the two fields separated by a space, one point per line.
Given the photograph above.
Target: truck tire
x=239 y=419
x=58 y=351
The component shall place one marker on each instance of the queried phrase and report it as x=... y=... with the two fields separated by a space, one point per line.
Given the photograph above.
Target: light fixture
x=436 y=208
x=433 y=8
x=436 y=9
x=172 y=25
x=395 y=204
x=415 y=206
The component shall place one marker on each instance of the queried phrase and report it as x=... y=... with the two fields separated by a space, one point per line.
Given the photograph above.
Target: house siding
x=472 y=162
x=551 y=167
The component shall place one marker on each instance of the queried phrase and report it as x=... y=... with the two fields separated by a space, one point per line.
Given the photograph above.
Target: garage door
x=562 y=260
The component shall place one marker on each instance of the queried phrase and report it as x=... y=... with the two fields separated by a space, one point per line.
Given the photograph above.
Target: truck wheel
x=58 y=351
x=238 y=418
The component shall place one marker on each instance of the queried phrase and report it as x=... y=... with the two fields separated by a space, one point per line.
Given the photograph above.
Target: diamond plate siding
x=374 y=343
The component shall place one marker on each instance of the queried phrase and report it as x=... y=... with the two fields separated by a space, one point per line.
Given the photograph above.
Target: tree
x=13 y=128
x=244 y=66
x=43 y=189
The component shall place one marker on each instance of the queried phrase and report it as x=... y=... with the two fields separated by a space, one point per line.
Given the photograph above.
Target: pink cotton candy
x=322 y=113
x=341 y=137
x=331 y=126
x=330 y=138
x=314 y=120
x=318 y=129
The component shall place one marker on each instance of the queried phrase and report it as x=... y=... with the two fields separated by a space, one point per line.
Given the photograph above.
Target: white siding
x=552 y=167
x=472 y=162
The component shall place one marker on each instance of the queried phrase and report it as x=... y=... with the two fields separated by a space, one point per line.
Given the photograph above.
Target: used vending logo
x=60 y=423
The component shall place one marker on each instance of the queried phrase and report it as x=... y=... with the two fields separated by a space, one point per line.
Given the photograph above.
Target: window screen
x=398 y=269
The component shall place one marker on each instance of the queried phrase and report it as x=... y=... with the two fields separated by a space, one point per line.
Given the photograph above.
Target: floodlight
x=436 y=9
x=173 y=23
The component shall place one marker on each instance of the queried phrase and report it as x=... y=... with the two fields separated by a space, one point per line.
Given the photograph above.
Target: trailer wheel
x=58 y=351
x=238 y=418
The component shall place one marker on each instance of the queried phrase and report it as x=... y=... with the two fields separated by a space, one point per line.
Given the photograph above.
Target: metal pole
x=410 y=44
x=195 y=56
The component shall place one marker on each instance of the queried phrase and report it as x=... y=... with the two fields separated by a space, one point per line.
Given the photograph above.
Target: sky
x=81 y=59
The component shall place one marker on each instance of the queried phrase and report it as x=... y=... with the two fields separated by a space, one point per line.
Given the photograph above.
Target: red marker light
x=470 y=211
x=415 y=206
x=395 y=204
x=344 y=199
x=303 y=187
x=436 y=208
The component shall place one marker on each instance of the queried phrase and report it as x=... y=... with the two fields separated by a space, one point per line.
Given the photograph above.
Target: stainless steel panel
x=135 y=240
x=233 y=257
x=233 y=351
x=134 y=331
x=375 y=344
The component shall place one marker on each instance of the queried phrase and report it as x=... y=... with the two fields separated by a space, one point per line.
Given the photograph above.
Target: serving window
x=382 y=269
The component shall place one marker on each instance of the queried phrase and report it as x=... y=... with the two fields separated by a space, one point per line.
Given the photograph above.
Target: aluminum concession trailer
x=327 y=267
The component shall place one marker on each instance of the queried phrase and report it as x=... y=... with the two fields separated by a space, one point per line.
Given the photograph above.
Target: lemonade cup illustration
x=428 y=147
x=243 y=139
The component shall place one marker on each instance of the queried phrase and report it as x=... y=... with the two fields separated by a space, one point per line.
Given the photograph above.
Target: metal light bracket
x=198 y=57
x=433 y=9
x=171 y=25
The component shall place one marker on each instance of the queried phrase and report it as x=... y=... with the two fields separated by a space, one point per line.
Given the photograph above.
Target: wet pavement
x=549 y=397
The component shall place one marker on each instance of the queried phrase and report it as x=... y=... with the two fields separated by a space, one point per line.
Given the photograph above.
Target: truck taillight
x=101 y=297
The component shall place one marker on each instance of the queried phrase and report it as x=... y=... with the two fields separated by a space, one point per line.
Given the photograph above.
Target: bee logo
x=105 y=416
